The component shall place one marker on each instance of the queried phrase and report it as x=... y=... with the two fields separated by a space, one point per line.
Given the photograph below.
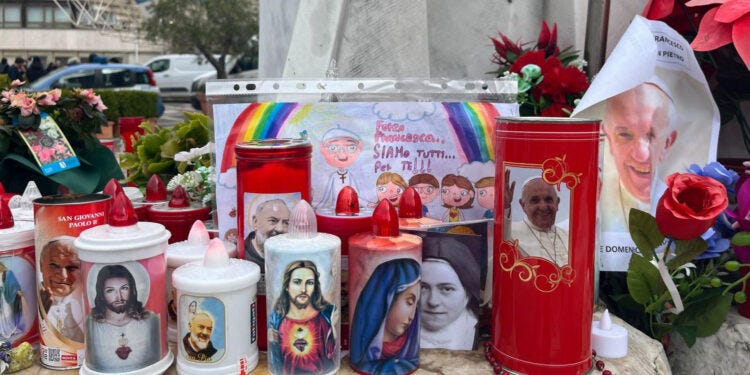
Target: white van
x=174 y=74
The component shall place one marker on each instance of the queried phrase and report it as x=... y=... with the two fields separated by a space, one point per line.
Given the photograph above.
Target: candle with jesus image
x=384 y=282
x=124 y=270
x=303 y=281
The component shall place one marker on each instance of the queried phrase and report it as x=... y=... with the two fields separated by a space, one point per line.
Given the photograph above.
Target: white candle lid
x=21 y=234
x=216 y=273
x=113 y=244
x=194 y=248
x=610 y=340
x=22 y=206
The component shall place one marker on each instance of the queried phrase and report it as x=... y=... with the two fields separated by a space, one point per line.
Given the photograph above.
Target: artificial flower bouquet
x=683 y=279
x=550 y=81
x=53 y=124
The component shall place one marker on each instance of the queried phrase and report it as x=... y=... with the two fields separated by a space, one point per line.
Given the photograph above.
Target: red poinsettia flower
x=547 y=40
x=675 y=14
x=556 y=110
x=531 y=57
x=728 y=22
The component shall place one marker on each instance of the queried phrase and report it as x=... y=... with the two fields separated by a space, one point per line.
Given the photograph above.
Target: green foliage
x=155 y=150
x=112 y=101
x=134 y=103
x=705 y=300
x=220 y=27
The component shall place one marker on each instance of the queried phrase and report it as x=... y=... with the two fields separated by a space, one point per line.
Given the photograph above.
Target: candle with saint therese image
x=384 y=285
x=58 y=220
x=543 y=279
x=17 y=279
x=303 y=283
x=216 y=315
x=124 y=271
x=183 y=252
x=346 y=220
x=178 y=214
x=272 y=175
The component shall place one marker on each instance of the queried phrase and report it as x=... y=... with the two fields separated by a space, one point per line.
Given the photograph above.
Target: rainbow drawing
x=257 y=121
x=473 y=125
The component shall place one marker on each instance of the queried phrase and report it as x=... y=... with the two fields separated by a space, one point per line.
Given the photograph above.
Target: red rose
x=690 y=205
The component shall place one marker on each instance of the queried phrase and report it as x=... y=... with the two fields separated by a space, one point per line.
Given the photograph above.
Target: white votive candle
x=216 y=314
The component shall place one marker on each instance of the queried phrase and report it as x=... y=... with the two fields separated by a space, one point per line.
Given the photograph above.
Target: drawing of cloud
x=228 y=179
x=403 y=111
x=476 y=170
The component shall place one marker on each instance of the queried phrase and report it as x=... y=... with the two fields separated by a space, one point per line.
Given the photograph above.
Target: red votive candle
x=543 y=281
x=384 y=285
x=346 y=221
x=178 y=214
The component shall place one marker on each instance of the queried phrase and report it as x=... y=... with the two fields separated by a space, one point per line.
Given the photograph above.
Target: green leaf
x=688 y=334
x=686 y=251
x=643 y=280
x=644 y=232
x=708 y=315
x=161 y=167
x=741 y=239
x=169 y=149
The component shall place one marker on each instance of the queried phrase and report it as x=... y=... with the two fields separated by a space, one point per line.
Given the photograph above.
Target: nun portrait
x=450 y=294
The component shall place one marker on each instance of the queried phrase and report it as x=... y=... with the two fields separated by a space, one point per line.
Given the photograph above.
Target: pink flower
x=90 y=97
x=7 y=96
x=17 y=82
x=50 y=98
x=46 y=154
x=100 y=106
x=25 y=103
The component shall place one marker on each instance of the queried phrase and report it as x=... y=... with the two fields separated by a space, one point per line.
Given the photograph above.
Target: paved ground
x=173 y=112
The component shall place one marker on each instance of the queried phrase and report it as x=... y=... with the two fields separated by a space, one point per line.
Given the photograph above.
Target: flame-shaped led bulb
x=155 y=189
x=112 y=188
x=302 y=222
x=216 y=255
x=180 y=198
x=385 y=220
x=347 y=202
x=410 y=204
x=605 y=322
x=6 y=216
x=198 y=235
x=122 y=214
x=31 y=192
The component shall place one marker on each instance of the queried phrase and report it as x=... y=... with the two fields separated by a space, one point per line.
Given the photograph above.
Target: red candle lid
x=180 y=198
x=410 y=204
x=112 y=188
x=6 y=216
x=122 y=213
x=385 y=220
x=347 y=203
x=155 y=189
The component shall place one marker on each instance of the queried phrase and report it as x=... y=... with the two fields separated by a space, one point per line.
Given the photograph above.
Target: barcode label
x=50 y=355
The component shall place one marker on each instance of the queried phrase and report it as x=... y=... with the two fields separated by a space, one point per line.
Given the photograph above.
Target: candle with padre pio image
x=123 y=268
x=384 y=285
x=59 y=219
x=347 y=219
x=183 y=252
x=216 y=314
x=303 y=283
x=17 y=279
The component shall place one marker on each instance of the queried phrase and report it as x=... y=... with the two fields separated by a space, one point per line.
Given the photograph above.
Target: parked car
x=101 y=76
x=175 y=73
x=246 y=67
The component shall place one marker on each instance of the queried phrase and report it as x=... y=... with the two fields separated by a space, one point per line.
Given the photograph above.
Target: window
x=116 y=77
x=159 y=65
x=46 y=16
x=83 y=79
x=11 y=16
